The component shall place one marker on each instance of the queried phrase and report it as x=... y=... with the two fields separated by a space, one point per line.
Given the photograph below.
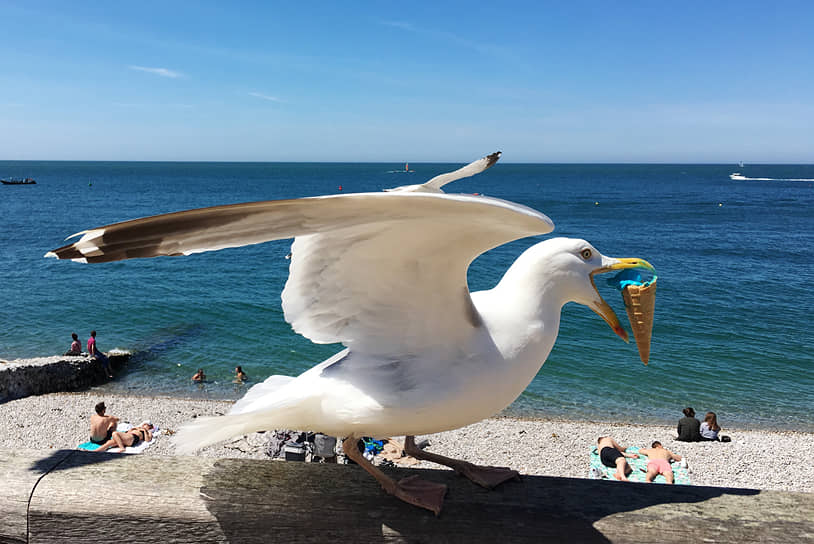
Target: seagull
x=385 y=274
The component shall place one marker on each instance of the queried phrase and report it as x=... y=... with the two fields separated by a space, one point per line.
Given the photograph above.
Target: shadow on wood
x=193 y=499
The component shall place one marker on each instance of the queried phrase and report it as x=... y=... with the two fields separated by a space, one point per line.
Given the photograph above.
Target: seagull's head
x=574 y=263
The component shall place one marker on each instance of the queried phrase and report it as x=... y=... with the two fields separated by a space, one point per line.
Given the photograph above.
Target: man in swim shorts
x=102 y=426
x=613 y=455
x=659 y=462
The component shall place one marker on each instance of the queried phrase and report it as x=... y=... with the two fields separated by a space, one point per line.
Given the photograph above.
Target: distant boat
x=740 y=164
x=406 y=169
x=737 y=176
x=19 y=181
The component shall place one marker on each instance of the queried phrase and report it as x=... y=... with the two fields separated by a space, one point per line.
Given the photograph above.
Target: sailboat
x=406 y=169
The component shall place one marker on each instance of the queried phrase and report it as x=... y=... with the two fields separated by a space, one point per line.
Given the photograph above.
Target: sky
x=381 y=81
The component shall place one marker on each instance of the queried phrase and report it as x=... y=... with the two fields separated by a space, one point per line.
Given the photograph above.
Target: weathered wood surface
x=91 y=497
x=19 y=473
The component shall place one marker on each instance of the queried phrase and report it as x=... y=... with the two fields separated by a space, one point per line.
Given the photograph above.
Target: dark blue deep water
x=733 y=329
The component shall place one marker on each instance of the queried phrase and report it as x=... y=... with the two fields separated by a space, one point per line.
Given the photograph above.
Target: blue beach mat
x=89 y=446
x=639 y=466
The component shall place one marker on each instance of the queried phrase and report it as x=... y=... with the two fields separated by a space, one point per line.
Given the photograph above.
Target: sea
x=733 y=321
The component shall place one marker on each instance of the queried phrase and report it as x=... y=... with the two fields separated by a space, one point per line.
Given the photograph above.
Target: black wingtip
x=492 y=159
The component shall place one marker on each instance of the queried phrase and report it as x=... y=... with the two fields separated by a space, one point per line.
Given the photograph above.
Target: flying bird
x=385 y=274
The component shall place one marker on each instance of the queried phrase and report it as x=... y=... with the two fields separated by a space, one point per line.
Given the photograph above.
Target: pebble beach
x=755 y=459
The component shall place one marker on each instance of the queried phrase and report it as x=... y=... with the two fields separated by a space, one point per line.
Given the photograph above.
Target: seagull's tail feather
x=265 y=407
x=205 y=431
x=260 y=392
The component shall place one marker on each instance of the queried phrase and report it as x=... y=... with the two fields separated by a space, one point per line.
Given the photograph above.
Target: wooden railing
x=76 y=496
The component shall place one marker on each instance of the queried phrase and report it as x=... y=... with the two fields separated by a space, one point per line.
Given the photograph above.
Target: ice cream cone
x=640 y=303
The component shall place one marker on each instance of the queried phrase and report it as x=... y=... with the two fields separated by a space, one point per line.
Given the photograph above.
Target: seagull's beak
x=600 y=306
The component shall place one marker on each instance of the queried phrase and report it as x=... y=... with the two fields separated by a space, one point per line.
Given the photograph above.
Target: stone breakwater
x=40 y=375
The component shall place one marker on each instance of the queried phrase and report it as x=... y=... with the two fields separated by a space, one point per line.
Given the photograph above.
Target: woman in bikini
x=142 y=433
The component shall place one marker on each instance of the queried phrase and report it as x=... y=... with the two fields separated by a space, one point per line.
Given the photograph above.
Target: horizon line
x=586 y=163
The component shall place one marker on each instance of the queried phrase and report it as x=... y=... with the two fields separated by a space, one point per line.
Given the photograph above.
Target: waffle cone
x=640 y=303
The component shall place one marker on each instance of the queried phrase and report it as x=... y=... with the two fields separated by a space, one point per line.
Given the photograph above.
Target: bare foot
x=120 y=450
x=620 y=477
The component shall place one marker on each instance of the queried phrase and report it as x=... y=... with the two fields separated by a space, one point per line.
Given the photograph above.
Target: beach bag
x=294 y=451
x=276 y=442
x=324 y=445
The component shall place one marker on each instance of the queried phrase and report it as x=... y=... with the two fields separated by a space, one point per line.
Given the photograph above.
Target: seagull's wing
x=370 y=270
x=469 y=170
x=434 y=185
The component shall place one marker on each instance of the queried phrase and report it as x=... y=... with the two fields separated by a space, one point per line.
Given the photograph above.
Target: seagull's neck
x=522 y=314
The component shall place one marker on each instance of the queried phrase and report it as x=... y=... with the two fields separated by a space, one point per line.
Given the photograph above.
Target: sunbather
x=659 y=462
x=131 y=438
x=613 y=455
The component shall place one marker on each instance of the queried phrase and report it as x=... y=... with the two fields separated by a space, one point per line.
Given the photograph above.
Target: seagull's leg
x=488 y=477
x=411 y=489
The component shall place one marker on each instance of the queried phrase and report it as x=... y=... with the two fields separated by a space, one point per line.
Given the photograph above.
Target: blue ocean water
x=733 y=312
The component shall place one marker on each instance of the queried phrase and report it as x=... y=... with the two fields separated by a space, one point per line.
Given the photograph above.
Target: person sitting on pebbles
x=102 y=426
x=659 y=459
x=132 y=438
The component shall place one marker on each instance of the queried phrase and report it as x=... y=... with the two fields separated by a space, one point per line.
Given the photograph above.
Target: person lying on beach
x=199 y=376
x=102 y=426
x=613 y=455
x=659 y=459
x=142 y=433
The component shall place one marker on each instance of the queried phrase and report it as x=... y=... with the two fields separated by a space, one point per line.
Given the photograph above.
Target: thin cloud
x=265 y=97
x=163 y=72
x=485 y=48
x=400 y=24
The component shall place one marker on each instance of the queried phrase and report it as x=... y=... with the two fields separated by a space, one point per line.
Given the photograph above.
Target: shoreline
x=756 y=459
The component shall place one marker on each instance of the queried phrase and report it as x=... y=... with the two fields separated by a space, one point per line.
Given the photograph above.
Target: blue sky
x=408 y=81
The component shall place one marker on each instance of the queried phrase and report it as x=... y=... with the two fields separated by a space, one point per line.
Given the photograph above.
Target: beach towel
x=680 y=475
x=122 y=428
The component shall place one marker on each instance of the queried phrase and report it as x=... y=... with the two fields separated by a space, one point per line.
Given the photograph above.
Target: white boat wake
x=740 y=177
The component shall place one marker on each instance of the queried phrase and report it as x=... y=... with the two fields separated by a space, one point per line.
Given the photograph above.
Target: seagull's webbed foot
x=488 y=477
x=421 y=493
x=412 y=489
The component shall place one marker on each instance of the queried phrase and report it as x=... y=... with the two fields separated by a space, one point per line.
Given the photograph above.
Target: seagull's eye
x=586 y=254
